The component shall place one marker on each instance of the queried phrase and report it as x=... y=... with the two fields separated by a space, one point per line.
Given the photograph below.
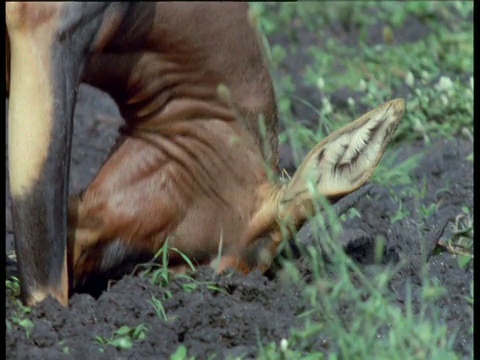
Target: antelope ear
x=344 y=160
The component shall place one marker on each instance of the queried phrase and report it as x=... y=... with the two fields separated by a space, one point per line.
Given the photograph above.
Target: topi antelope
x=191 y=84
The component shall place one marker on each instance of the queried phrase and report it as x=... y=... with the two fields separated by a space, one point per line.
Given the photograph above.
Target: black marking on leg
x=39 y=230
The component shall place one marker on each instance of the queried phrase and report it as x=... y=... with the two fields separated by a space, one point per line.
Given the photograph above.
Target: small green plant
x=400 y=214
x=13 y=287
x=157 y=270
x=189 y=284
x=427 y=210
x=351 y=214
x=158 y=306
x=65 y=349
x=181 y=354
x=20 y=319
x=124 y=337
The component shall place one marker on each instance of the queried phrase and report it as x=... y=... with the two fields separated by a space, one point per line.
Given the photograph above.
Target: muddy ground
x=253 y=309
